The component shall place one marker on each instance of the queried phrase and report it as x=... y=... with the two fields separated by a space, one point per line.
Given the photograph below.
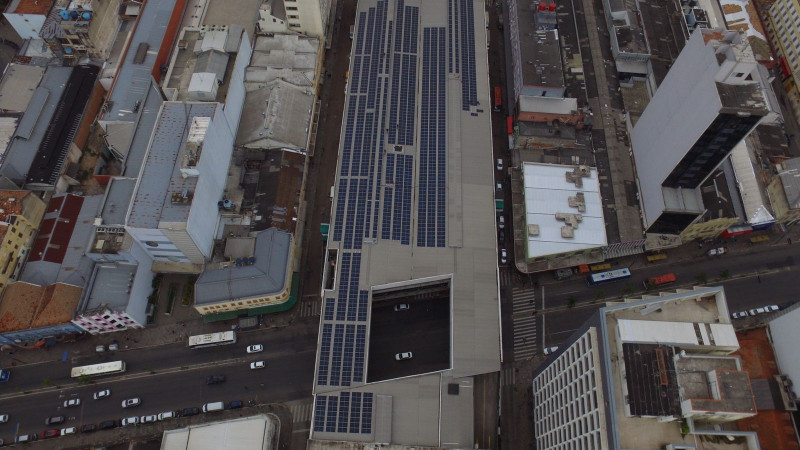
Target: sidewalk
x=184 y=321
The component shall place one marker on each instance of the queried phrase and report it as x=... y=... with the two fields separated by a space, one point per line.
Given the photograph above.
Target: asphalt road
x=769 y=268
x=169 y=377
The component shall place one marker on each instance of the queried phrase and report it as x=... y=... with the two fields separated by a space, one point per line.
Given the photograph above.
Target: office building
x=782 y=23
x=410 y=314
x=709 y=101
x=20 y=214
x=27 y=17
x=309 y=17
x=653 y=372
x=784 y=192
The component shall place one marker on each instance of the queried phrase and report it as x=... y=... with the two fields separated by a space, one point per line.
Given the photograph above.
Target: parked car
x=149 y=418
x=215 y=379
x=403 y=356
x=503 y=256
x=101 y=394
x=47 y=434
x=131 y=402
x=55 y=420
x=68 y=430
x=25 y=438
x=113 y=347
x=100 y=348
x=255 y=348
x=501 y=236
x=550 y=350
x=72 y=402
x=563 y=274
x=89 y=428
x=190 y=412
x=402 y=307
x=771 y=308
x=3 y=418
x=756 y=311
x=499 y=186
x=499 y=164
x=167 y=415
x=501 y=222
x=258 y=365
x=130 y=421
x=108 y=424
x=739 y=315
x=716 y=251
x=236 y=404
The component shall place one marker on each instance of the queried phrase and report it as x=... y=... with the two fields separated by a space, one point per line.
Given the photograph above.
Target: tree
x=702 y=278
x=600 y=295
x=571 y=301
x=47 y=382
x=725 y=274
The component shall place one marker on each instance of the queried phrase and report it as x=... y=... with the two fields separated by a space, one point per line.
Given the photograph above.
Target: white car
x=550 y=350
x=716 y=251
x=72 y=402
x=403 y=356
x=756 y=311
x=501 y=222
x=3 y=418
x=113 y=347
x=739 y=315
x=402 y=307
x=68 y=430
x=255 y=348
x=100 y=348
x=130 y=421
x=167 y=415
x=258 y=365
x=499 y=164
x=771 y=308
x=499 y=186
x=136 y=401
x=149 y=419
x=101 y=394
x=503 y=256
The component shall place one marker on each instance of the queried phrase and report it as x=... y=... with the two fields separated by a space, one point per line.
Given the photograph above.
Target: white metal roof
x=546 y=193
x=677 y=333
x=249 y=433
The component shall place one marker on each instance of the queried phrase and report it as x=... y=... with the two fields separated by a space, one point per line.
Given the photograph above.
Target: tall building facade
x=653 y=372
x=782 y=20
x=309 y=17
x=709 y=101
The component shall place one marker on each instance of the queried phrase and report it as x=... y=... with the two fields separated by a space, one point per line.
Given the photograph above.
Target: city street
x=168 y=377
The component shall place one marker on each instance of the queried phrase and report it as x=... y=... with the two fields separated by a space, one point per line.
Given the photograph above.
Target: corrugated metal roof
x=790 y=178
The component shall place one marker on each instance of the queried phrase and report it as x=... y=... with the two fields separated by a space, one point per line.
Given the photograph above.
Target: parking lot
x=423 y=329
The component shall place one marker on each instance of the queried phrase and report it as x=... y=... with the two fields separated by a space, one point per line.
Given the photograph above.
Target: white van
x=216 y=406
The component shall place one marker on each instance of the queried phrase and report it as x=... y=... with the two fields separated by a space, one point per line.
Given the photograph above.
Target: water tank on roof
x=542 y=6
x=552 y=6
x=227 y=204
x=86 y=16
x=73 y=15
x=68 y=50
x=251 y=260
x=64 y=14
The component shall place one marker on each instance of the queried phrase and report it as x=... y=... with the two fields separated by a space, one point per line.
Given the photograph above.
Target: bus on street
x=212 y=339
x=94 y=370
x=659 y=280
x=608 y=277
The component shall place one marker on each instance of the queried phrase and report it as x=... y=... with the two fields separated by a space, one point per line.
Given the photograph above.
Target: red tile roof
x=26 y=305
x=56 y=229
x=32 y=7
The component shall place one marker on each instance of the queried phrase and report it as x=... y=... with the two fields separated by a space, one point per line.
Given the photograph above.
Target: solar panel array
x=404 y=75
x=431 y=203
x=461 y=19
x=347 y=412
x=397 y=198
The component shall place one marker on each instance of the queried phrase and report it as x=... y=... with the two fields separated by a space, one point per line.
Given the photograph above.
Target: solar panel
x=344 y=409
x=319 y=412
x=324 y=352
x=336 y=355
x=330 y=420
x=355 y=411
x=347 y=357
x=363 y=298
x=330 y=303
x=362 y=21
x=340 y=204
x=358 y=362
x=366 y=413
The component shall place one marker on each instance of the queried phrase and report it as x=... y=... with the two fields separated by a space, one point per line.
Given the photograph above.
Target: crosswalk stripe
x=301 y=412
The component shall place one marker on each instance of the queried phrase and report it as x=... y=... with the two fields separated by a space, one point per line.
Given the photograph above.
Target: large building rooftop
x=26 y=305
x=18 y=85
x=276 y=116
x=413 y=213
x=562 y=216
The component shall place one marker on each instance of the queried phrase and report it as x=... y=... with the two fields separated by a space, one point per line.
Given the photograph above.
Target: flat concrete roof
x=246 y=433
x=547 y=193
x=413 y=202
x=18 y=85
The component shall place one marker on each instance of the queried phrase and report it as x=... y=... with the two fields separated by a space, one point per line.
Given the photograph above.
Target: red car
x=46 y=434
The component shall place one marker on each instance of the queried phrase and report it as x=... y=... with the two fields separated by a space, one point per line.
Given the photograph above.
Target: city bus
x=608 y=277
x=212 y=339
x=659 y=280
x=94 y=370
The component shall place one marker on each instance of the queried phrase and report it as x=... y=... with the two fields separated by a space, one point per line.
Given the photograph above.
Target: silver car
x=403 y=356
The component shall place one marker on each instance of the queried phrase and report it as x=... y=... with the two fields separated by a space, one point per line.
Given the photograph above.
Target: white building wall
x=27 y=26
x=785 y=335
x=306 y=16
x=568 y=400
x=213 y=167
x=164 y=249
x=683 y=107
x=142 y=285
x=234 y=101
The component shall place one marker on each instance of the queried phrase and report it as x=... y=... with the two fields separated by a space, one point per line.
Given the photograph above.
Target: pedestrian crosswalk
x=310 y=306
x=301 y=411
x=508 y=376
x=524 y=322
x=506 y=277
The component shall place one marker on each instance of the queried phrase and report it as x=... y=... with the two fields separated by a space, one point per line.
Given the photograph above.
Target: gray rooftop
x=17 y=86
x=741 y=98
x=276 y=116
x=117 y=199
x=161 y=175
x=142 y=130
x=110 y=287
x=34 y=123
x=539 y=50
x=790 y=178
x=133 y=80
x=285 y=56
x=266 y=276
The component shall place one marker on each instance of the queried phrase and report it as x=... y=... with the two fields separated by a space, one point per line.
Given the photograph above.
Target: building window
x=291 y=8
x=293 y=16
x=294 y=25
